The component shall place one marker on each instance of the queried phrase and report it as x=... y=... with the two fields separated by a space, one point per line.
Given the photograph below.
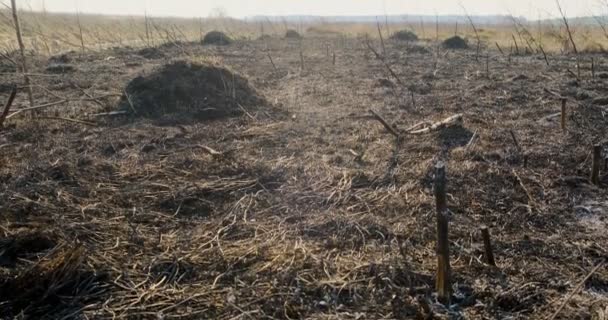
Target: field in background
x=51 y=33
x=150 y=184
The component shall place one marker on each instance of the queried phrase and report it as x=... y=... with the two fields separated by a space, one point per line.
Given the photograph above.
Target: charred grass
x=308 y=209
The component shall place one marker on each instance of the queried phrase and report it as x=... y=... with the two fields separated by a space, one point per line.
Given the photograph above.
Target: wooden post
x=334 y=60
x=22 y=51
x=488 y=65
x=443 y=281
x=301 y=60
x=595 y=170
x=7 y=106
x=487 y=244
x=413 y=99
x=564 y=114
x=592 y=68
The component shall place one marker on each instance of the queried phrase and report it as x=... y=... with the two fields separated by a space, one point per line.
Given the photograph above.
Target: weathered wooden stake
x=413 y=99
x=443 y=282
x=488 y=65
x=24 y=68
x=564 y=114
x=301 y=60
x=7 y=106
x=334 y=60
x=487 y=244
x=592 y=68
x=595 y=170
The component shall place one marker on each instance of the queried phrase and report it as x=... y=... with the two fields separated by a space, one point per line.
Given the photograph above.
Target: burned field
x=274 y=193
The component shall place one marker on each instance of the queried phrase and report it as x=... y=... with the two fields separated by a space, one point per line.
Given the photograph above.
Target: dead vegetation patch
x=404 y=35
x=151 y=53
x=292 y=34
x=187 y=90
x=217 y=38
x=55 y=286
x=455 y=42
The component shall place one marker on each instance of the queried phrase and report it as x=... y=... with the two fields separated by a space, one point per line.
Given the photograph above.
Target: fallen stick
x=472 y=141
x=417 y=125
x=553 y=93
x=69 y=120
x=531 y=201
x=109 y=114
x=549 y=117
x=246 y=112
x=271 y=61
x=36 y=107
x=578 y=287
x=385 y=124
x=438 y=125
x=7 y=106
x=209 y=150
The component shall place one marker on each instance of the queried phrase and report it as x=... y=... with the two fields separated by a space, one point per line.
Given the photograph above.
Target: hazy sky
x=240 y=8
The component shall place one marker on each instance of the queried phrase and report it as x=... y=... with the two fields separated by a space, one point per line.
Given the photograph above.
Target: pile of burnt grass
x=292 y=34
x=404 y=35
x=455 y=42
x=190 y=90
x=217 y=38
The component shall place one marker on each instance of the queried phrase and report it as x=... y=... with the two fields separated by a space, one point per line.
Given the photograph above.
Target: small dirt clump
x=60 y=68
x=151 y=53
x=292 y=34
x=217 y=38
x=190 y=91
x=404 y=35
x=455 y=42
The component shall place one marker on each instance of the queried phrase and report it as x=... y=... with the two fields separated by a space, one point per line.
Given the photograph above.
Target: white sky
x=240 y=8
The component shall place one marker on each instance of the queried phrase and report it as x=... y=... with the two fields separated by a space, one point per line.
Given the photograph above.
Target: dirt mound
x=404 y=35
x=61 y=58
x=60 y=68
x=151 y=53
x=594 y=48
x=217 y=38
x=292 y=34
x=190 y=90
x=455 y=42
